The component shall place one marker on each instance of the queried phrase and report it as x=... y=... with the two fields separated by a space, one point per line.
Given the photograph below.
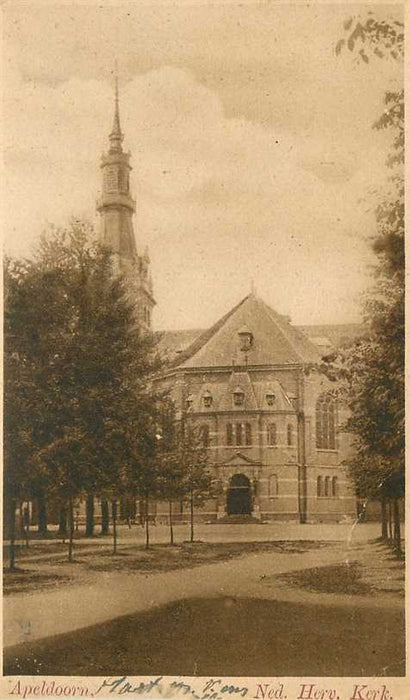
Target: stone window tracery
x=326 y=423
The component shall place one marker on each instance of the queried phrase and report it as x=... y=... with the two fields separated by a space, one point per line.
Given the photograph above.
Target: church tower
x=116 y=207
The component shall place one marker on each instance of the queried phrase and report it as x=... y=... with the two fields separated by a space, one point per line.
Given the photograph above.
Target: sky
x=254 y=158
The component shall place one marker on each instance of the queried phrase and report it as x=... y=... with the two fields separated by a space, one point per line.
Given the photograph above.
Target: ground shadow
x=226 y=636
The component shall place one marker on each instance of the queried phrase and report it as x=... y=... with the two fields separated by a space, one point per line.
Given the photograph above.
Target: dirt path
x=105 y=596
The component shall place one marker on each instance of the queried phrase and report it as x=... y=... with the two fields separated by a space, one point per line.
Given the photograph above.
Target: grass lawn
x=24 y=581
x=340 y=578
x=226 y=636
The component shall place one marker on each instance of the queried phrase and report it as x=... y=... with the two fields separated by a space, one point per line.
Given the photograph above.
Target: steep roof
x=255 y=395
x=275 y=341
x=171 y=344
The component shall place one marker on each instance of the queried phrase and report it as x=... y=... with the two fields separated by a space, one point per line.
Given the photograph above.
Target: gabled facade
x=269 y=420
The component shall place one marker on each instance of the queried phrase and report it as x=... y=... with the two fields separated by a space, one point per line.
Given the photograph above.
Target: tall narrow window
x=326 y=423
x=272 y=434
x=229 y=435
x=273 y=485
x=290 y=435
x=319 y=486
x=204 y=435
x=327 y=486
x=239 y=433
x=248 y=434
x=334 y=486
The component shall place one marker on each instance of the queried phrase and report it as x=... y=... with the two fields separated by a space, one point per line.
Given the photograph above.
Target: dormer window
x=189 y=401
x=207 y=399
x=238 y=396
x=270 y=398
x=245 y=339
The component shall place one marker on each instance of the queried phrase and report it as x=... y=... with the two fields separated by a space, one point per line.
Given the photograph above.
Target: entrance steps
x=237 y=520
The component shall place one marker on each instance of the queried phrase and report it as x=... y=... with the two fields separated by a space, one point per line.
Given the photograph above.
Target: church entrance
x=239 y=500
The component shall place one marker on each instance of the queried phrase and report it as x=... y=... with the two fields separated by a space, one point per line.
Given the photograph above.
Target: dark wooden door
x=239 y=496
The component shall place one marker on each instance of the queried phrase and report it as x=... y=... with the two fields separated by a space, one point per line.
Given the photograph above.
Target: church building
x=269 y=420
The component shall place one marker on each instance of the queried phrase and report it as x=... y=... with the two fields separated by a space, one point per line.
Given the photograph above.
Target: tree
x=373 y=368
x=171 y=482
x=78 y=364
x=142 y=455
x=198 y=484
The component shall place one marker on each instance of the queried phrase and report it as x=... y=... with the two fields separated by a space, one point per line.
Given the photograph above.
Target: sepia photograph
x=204 y=277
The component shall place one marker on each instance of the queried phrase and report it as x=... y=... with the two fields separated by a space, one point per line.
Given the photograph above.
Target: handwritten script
x=212 y=689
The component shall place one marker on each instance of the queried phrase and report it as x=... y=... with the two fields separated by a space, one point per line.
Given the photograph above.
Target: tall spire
x=116 y=207
x=116 y=135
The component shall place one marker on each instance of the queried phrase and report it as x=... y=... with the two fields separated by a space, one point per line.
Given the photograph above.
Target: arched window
x=273 y=485
x=326 y=423
x=239 y=433
x=319 y=486
x=272 y=434
x=290 y=434
x=248 y=434
x=204 y=435
x=327 y=486
x=189 y=402
x=229 y=434
x=334 y=486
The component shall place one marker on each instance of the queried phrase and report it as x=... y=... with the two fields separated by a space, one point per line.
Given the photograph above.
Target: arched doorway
x=239 y=500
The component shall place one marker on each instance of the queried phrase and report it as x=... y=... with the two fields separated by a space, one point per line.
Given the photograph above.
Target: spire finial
x=116 y=136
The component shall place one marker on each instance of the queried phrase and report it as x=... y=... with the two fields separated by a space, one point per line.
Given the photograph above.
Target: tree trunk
x=192 y=516
x=71 y=526
x=12 y=526
x=171 y=528
x=147 y=523
x=397 y=532
x=42 y=515
x=105 y=517
x=390 y=522
x=384 y=518
x=62 y=523
x=26 y=523
x=114 y=525
x=89 y=516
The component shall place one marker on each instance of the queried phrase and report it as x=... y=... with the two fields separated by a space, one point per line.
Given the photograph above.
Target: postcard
x=204 y=336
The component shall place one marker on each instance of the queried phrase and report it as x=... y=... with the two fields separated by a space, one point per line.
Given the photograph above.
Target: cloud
x=221 y=200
